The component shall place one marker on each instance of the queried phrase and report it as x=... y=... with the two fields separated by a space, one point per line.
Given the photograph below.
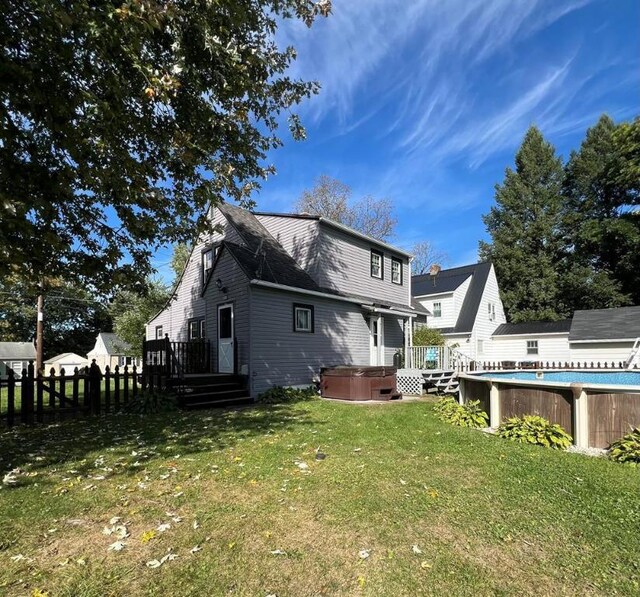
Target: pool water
x=617 y=378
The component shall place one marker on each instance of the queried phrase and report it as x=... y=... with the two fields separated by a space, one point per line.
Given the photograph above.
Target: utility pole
x=40 y=328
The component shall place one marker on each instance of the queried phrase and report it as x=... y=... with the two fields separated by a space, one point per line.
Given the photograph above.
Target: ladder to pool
x=633 y=355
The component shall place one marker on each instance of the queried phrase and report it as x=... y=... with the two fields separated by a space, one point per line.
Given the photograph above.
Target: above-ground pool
x=615 y=378
x=595 y=407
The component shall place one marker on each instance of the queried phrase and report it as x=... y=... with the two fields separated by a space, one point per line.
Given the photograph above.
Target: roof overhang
x=530 y=334
x=419 y=296
x=602 y=340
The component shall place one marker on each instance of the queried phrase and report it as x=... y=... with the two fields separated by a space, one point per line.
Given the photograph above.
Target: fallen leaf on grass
x=278 y=552
x=147 y=536
x=361 y=582
x=415 y=549
x=163 y=527
x=117 y=546
x=157 y=563
x=425 y=565
x=364 y=553
x=195 y=549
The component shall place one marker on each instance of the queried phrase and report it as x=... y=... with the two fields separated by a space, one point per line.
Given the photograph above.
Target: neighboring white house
x=111 y=350
x=546 y=341
x=16 y=356
x=465 y=305
x=67 y=361
x=604 y=334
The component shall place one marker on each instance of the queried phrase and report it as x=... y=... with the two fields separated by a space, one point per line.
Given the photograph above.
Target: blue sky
x=424 y=102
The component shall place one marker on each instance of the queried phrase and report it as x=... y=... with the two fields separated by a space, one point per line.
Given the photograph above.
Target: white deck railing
x=437 y=357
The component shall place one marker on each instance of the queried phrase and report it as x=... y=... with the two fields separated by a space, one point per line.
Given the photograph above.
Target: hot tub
x=359 y=383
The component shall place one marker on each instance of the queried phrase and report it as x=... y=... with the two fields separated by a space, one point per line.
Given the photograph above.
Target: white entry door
x=376 y=340
x=225 y=339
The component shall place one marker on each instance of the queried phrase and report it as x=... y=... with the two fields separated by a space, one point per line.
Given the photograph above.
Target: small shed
x=110 y=350
x=67 y=361
x=16 y=356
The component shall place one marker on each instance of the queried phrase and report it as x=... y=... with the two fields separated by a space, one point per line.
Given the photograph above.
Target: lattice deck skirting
x=410 y=381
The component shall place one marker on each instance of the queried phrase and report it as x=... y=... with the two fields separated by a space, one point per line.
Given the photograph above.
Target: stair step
x=209 y=379
x=214 y=403
x=214 y=396
x=211 y=388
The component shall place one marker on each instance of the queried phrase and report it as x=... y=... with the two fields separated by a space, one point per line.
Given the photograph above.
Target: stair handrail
x=633 y=355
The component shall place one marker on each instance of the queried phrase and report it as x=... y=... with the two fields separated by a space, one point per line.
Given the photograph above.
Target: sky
x=425 y=102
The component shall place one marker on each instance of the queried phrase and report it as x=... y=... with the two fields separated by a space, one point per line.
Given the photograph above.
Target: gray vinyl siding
x=298 y=237
x=236 y=284
x=393 y=338
x=187 y=302
x=280 y=356
x=344 y=263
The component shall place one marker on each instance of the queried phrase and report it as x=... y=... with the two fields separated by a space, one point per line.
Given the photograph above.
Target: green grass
x=490 y=517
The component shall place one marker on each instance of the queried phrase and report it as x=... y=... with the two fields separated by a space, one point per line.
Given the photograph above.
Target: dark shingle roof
x=533 y=327
x=19 y=351
x=446 y=281
x=606 y=324
x=114 y=344
x=263 y=257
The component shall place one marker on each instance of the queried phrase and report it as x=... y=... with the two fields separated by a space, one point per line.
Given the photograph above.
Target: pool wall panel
x=553 y=404
x=611 y=416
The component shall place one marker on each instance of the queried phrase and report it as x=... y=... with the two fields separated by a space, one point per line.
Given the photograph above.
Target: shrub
x=147 y=402
x=424 y=336
x=532 y=429
x=281 y=395
x=627 y=448
x=462 y=415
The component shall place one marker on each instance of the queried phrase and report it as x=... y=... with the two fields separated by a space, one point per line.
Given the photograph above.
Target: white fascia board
x=530 y=335
x=369 y=239
x=392 y=312
x=602 y=341
x=335 y=297
x=436 y=294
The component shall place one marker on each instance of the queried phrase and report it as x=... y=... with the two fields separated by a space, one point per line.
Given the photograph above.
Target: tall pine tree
x=597 y=240
x=526 y=239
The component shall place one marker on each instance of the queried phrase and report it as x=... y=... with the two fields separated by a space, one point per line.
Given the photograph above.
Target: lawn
x=401 y=505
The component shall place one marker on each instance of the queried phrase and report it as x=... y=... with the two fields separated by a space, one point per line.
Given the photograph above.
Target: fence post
x=63 y=387
x=107 y=389
x=11 y=397
x=39 y=396
x=26 y=407
x=134 y=387
x=76 y=386
x=86 y=397
x=116 y=388
x=95 y=376
x=126 y=384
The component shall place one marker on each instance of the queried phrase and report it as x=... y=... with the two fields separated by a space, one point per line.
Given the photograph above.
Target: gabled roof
x=448 y=280
x=64 y=355
x=113 y=344
x=19 y=351
x=622 y=323
x=262 y=257
x=338 y=226
x=533 y=328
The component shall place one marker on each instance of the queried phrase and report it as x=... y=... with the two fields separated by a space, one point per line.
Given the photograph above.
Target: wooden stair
x=208 y=390
x=444 y=382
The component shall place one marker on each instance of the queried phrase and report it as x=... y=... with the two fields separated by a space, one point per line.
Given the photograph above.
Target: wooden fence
x=88 y=391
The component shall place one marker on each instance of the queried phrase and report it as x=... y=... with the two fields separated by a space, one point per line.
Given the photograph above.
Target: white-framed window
x=303 y=318
x=437 y=309
x=491 y=308
x=196 y=328
x=207 y=263
x=376 y=264
x=396 y=270
x=122 y=361
x=532 y=347
x=159 y=334
x=480 y=346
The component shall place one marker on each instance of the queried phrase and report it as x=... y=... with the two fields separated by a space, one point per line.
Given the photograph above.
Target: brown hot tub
x=359 y=383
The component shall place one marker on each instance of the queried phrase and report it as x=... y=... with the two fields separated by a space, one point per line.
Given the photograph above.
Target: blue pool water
x=615 y=378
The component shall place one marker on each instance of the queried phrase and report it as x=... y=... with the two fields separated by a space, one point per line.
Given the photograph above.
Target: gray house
x=279 y=296
x=16 y=356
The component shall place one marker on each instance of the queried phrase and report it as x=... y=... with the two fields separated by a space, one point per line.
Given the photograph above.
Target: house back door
x=225 y=339
x=376 y=340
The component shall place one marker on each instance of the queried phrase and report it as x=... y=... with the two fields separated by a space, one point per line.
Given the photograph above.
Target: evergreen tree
x=601 y=266
x=525 y=232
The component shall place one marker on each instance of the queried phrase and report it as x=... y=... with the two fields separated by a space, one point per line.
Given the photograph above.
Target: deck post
x=494 y=405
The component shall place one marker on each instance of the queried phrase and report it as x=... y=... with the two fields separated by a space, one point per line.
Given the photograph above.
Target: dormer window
x=437 y=309
x=396 y=270
x=207 y=262
x=376 y=264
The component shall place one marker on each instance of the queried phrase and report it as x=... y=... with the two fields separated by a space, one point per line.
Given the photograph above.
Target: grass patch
x=244 y=487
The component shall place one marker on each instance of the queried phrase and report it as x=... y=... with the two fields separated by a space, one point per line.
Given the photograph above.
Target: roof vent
x=434 y=270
